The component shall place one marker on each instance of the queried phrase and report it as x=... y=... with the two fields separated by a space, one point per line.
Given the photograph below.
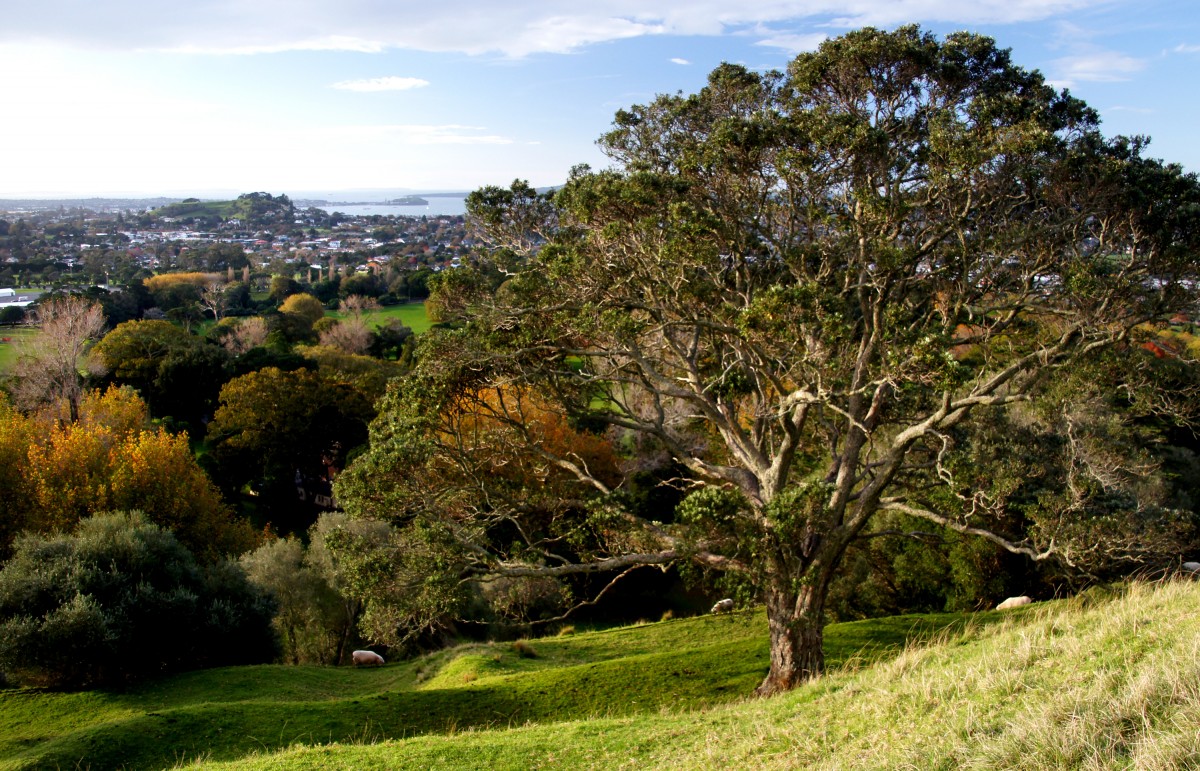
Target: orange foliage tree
x=110 y=459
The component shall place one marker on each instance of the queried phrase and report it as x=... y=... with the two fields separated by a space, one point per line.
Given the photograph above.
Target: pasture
x=669 y=667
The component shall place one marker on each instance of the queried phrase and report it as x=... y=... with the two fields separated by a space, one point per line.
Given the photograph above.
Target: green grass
x=670 y=667
x=8 y=351
x=412 y=314
x=1066 y=685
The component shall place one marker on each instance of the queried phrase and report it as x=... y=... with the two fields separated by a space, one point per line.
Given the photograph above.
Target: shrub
x=314 y=621
x=121 y=599
x=524 y=650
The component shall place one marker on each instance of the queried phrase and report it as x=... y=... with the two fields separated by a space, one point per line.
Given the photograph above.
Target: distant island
x=408 y=200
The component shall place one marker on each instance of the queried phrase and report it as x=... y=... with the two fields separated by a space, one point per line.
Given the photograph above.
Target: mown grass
x=1068 y=685
x=411 y=314
x=674 y=666
x=9 y=350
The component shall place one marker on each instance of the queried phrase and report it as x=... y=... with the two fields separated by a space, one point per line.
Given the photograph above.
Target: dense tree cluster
x=120 y=599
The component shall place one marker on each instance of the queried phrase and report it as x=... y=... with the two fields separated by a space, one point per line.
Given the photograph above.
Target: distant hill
x=254 y=209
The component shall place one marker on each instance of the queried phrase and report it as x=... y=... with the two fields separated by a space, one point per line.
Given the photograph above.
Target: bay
x=437 y=206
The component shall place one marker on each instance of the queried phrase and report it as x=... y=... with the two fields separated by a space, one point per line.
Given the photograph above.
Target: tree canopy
x=811 y=291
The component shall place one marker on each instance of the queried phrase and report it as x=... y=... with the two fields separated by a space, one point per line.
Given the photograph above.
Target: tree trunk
x=796 y=621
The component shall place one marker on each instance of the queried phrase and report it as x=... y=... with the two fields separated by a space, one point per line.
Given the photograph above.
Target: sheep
x=367 y=659
x=723 y=606
x=1014 y=602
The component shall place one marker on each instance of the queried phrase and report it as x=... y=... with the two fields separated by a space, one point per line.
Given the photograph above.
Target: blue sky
x=314 y=96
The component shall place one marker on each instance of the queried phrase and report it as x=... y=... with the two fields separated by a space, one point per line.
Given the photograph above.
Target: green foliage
x=118 y=600
x=312 y=620
x=283 y=287
x=176 y=372
x=273 y=424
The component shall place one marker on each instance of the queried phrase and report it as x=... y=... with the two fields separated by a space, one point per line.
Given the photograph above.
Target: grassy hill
x=254 y=209
x=1100 y=684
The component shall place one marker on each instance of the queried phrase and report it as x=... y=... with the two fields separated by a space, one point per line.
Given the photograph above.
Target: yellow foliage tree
x=110 y=459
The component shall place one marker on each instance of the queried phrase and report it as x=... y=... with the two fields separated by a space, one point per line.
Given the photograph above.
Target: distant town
x=48 y=245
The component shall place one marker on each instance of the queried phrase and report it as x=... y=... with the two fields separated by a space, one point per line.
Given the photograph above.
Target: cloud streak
x=1096 y=67
x=381 y=84
x=514 y=29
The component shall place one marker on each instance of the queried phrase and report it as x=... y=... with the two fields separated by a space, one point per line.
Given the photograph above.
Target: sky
x=324 y=97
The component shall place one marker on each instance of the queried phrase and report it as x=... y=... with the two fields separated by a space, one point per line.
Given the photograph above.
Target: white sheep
x=1014 y=602
x=723 y=606
x=367 y=659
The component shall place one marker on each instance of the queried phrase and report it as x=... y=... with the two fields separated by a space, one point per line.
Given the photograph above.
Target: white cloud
x=1184 y=48
x=381 y=84
x=795 y=43
x=516 y=28
x=1095 y=67
x=677 y=60
x=419 y=134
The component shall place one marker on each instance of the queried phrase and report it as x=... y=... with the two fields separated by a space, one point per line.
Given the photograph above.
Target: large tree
x=807 y=290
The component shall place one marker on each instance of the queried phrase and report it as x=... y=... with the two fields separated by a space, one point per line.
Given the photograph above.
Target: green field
x=1093 y=683
x=8 y=350
x=412 y=314
x=1057 y=686
x=662 y=668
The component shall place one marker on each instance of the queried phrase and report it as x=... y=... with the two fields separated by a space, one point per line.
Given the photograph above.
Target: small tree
x=312 y=620
x=48 y=372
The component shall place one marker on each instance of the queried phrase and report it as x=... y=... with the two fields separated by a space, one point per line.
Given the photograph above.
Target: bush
x=314 y=621
x=121 y=599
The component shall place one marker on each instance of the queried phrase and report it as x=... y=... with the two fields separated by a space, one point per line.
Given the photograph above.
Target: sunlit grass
x=411 y=314
x=675 y=666
x=1060 y=686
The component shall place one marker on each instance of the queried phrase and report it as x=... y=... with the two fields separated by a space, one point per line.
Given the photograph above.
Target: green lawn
x=8 y=350
x=1092 y=683
x=412 y=314
x=668 y=667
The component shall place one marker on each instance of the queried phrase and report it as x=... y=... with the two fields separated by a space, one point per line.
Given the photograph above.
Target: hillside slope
x=1078 y=685
x=673 y=666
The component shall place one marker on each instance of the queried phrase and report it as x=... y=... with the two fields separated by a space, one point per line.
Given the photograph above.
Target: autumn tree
x=244 y=334
x=351 y=333
x=298 y=314
x=774 y=287
x=112 y=458
x=48 y=372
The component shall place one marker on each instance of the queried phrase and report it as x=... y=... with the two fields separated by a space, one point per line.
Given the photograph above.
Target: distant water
x=436 y=207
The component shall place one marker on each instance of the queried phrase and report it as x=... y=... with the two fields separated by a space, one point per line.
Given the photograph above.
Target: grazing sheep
x=723 y=606
x=1192 y=567
x=367 y=659
x=1014 y=602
